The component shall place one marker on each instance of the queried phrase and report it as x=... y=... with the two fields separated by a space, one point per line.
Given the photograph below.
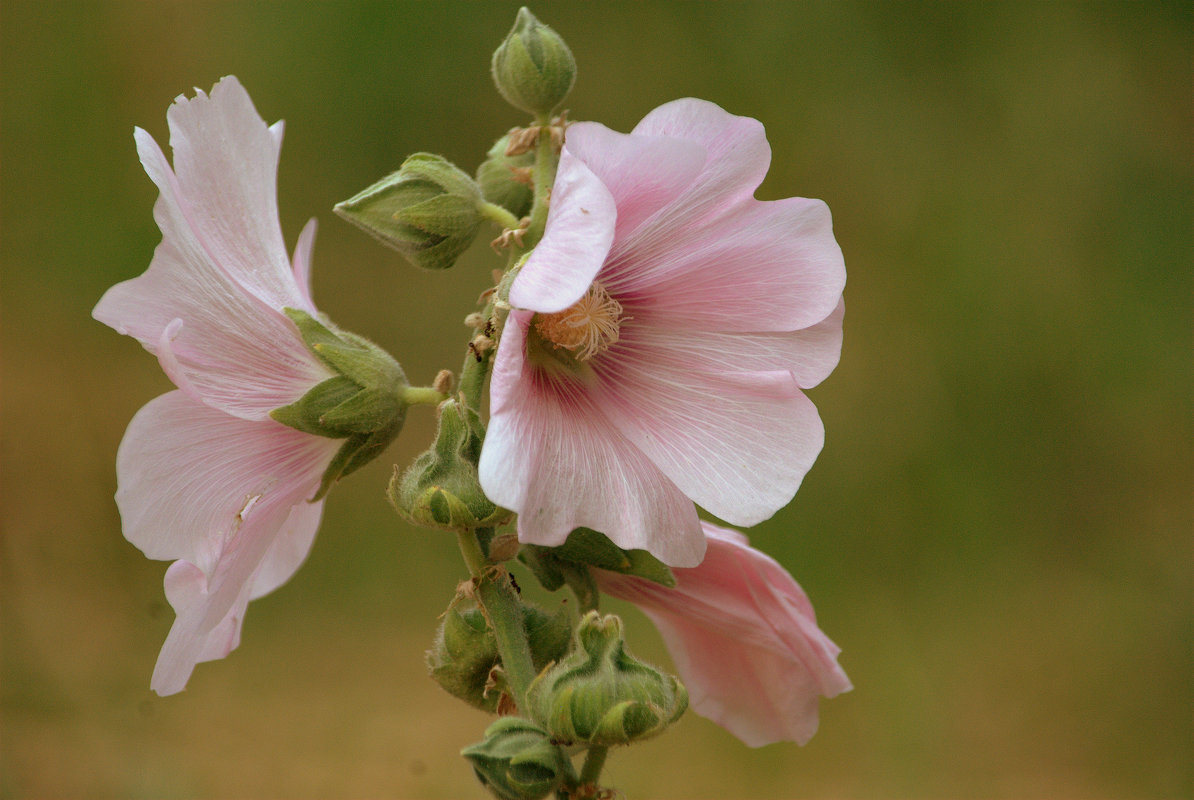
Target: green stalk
x=503 y=609
x=546 y=161
x=594 y=761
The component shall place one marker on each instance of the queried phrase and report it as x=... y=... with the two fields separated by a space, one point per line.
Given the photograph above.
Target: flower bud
x=440 y=489
x=517 y=760
x=429 y=211
x=600 y=694
x=533 y=68
x=465 y=653
x=363 y=404
x=500 y=182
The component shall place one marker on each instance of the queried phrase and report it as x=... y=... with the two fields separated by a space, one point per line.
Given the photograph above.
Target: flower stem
x=546 y=161
x=503 y=609
x=500 y=216
x=594 y=761
x=414 y=395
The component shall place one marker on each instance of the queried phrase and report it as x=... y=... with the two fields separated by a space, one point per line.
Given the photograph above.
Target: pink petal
x=188 y=643
x=738 y=444
x=738 y=152
x=195 y=637
x=771 y=266
x=580 y=229
x=553 y=457
x=642 y=173
x=194 y=483
x=809 y=354
x=226 y=162
x=301 y=263
x=744 y=639
x=234 y=348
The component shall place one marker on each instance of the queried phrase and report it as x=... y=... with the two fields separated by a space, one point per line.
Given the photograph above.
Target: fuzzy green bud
x=441 y=489
x=600 y=694
x=429 y=211
x=501 y=178
x=517 y=760
x=533 y=68
x=465 y=653
x=363 y=404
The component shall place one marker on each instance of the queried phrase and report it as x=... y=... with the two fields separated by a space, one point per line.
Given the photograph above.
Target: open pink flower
x=205 y=476
x=744 y=639
x=661 y=334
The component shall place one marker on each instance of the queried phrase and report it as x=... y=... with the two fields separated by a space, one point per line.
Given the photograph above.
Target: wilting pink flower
x=662 y=332
x=205 y=476
x=744 y=639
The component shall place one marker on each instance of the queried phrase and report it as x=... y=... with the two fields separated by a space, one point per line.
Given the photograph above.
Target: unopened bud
x=602 y=695
x=441 y=488
x=505 y=180
x=533 y=68
x=464 y=657
x=429 y=211
x=517 y=760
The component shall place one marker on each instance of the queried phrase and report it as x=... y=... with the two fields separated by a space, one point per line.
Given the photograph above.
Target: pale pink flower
x=205 y=476
x=662 y=332
x=744 y=639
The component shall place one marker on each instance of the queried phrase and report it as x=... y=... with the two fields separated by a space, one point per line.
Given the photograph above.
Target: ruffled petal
x=553 y=457
x=738 y=152
x=744 y=639
x=226 y=162
x=642 y=173
x=235 y=347
x=739 y=444
x=194 y=483
x=580 y=229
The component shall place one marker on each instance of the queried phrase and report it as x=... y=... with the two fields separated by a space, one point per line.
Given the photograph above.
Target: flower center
x=587 y=327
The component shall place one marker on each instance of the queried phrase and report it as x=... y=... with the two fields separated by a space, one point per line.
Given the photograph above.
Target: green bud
x=429 y=211
x=517 y=760
x=600 y=694
x=533 y=68
x=362 y=404
x=465 y=653
x=441 y=489
x=500 y=183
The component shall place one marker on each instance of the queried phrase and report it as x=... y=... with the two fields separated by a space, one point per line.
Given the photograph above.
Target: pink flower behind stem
x=205 y=476
x=662 y=332
x=744 y=639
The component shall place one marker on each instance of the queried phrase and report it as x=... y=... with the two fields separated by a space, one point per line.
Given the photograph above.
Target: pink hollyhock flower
x=205 y=475
x=662 y=332
x=744 y=639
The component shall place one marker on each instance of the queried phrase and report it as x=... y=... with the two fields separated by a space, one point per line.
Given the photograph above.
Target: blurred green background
x=998 y=533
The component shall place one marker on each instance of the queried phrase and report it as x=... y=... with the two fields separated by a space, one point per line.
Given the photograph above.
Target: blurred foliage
x=998 y=532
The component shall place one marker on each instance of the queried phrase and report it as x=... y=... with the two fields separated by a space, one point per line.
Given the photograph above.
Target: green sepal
x=357 y=451
x=308 y=413
x=588 y=548
x=361 y=404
